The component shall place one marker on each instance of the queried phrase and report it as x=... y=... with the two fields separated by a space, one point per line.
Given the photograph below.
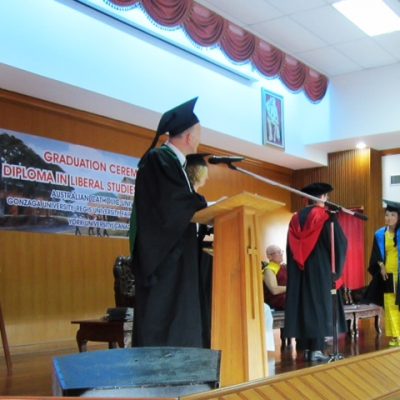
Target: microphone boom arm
x=299 y=192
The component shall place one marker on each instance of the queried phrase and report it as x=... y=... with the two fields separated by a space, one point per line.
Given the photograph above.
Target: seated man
x=275 y=278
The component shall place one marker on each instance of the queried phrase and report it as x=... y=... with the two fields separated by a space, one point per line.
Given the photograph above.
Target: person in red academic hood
x=309 y=303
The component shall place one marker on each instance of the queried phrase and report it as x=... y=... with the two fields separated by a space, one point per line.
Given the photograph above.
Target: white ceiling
x=310 y=30
x=314 y=32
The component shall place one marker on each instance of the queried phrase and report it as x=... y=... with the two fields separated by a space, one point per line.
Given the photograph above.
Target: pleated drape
x=206 y=28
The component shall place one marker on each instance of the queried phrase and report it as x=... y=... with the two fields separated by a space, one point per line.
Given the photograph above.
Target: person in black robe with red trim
x=163 y=240
x=309 y=303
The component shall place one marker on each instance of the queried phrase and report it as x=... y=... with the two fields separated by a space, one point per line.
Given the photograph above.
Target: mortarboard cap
x=178 y=119
x=392 y=206
x=175 y=121
x=196 y=159
x=317 y=189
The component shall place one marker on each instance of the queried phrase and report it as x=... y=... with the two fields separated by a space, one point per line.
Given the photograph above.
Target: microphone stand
x=332 y=208
x=335 y=355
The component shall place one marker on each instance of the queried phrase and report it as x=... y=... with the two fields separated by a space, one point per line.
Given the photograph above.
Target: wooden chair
x=115 y=329
x=124 y=282
x=5 y=343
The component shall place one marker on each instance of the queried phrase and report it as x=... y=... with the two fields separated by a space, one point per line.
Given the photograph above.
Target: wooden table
x=116 y=333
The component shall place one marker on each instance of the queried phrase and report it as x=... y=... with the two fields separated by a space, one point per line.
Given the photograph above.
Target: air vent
x=395 y=180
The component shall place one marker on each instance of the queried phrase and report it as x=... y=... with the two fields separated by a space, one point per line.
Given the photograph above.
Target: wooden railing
x=369 y=376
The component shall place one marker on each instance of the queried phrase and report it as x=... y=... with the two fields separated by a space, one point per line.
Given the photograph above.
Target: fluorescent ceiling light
x=361 y=145
x=374 y=17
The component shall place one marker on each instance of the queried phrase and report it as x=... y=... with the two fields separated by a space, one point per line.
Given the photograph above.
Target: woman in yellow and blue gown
x=385 y=260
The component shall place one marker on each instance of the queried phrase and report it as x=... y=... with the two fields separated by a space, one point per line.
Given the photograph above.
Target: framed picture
x=272 y=119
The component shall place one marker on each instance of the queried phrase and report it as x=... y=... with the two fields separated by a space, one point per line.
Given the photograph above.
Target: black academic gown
x=309 y=310
x=165 y=255
x=375 y=290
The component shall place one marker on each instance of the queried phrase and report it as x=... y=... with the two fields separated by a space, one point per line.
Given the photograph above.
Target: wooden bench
x=353 y=313
x=116 y=333
x=362 y=311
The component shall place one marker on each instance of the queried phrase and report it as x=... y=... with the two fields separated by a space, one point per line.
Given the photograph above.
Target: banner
x=51 y=186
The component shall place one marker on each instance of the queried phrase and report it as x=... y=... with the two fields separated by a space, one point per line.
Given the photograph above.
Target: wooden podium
x=238 y=326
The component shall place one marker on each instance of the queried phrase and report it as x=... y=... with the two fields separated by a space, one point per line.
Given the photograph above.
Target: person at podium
x=164 y=241
x=309 y=302
x=197 y=171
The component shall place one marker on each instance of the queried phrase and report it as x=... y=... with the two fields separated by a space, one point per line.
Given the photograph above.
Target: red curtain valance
x=123 y=3
x=315 y=84
x=204 y=26
x=293 y=73
x=237 y=43
x=167 y=12
x=267 y=58
x=207 y=28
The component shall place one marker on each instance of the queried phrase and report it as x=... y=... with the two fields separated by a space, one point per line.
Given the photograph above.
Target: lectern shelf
x=253 y=201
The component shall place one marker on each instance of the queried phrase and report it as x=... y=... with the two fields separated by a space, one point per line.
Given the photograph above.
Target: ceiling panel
x=252 y=12
x=287 y=35
x=312 y=31
x=391 y=43
x=330 y=60
x=328 y=24
x=394 y=5
x=292 y=6
x=366 y=52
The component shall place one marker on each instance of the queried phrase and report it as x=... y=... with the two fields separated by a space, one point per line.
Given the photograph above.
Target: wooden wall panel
x=48 y=280
x=356 y=176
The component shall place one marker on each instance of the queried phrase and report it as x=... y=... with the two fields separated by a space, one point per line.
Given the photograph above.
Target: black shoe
x=317 y=356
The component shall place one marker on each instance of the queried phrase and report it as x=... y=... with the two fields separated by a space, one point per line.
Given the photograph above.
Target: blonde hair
x=196 y=173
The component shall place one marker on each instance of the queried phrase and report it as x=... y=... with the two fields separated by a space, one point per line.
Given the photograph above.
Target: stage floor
x=32 y=370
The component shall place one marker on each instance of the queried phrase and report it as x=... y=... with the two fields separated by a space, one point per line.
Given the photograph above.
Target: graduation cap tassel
x=153 y=144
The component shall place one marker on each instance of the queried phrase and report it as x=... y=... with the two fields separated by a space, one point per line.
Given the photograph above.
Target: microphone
x=224 y=160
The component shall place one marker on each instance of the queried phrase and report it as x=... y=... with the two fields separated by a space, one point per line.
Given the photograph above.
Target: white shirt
x=179 y=154
x=182 y=160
